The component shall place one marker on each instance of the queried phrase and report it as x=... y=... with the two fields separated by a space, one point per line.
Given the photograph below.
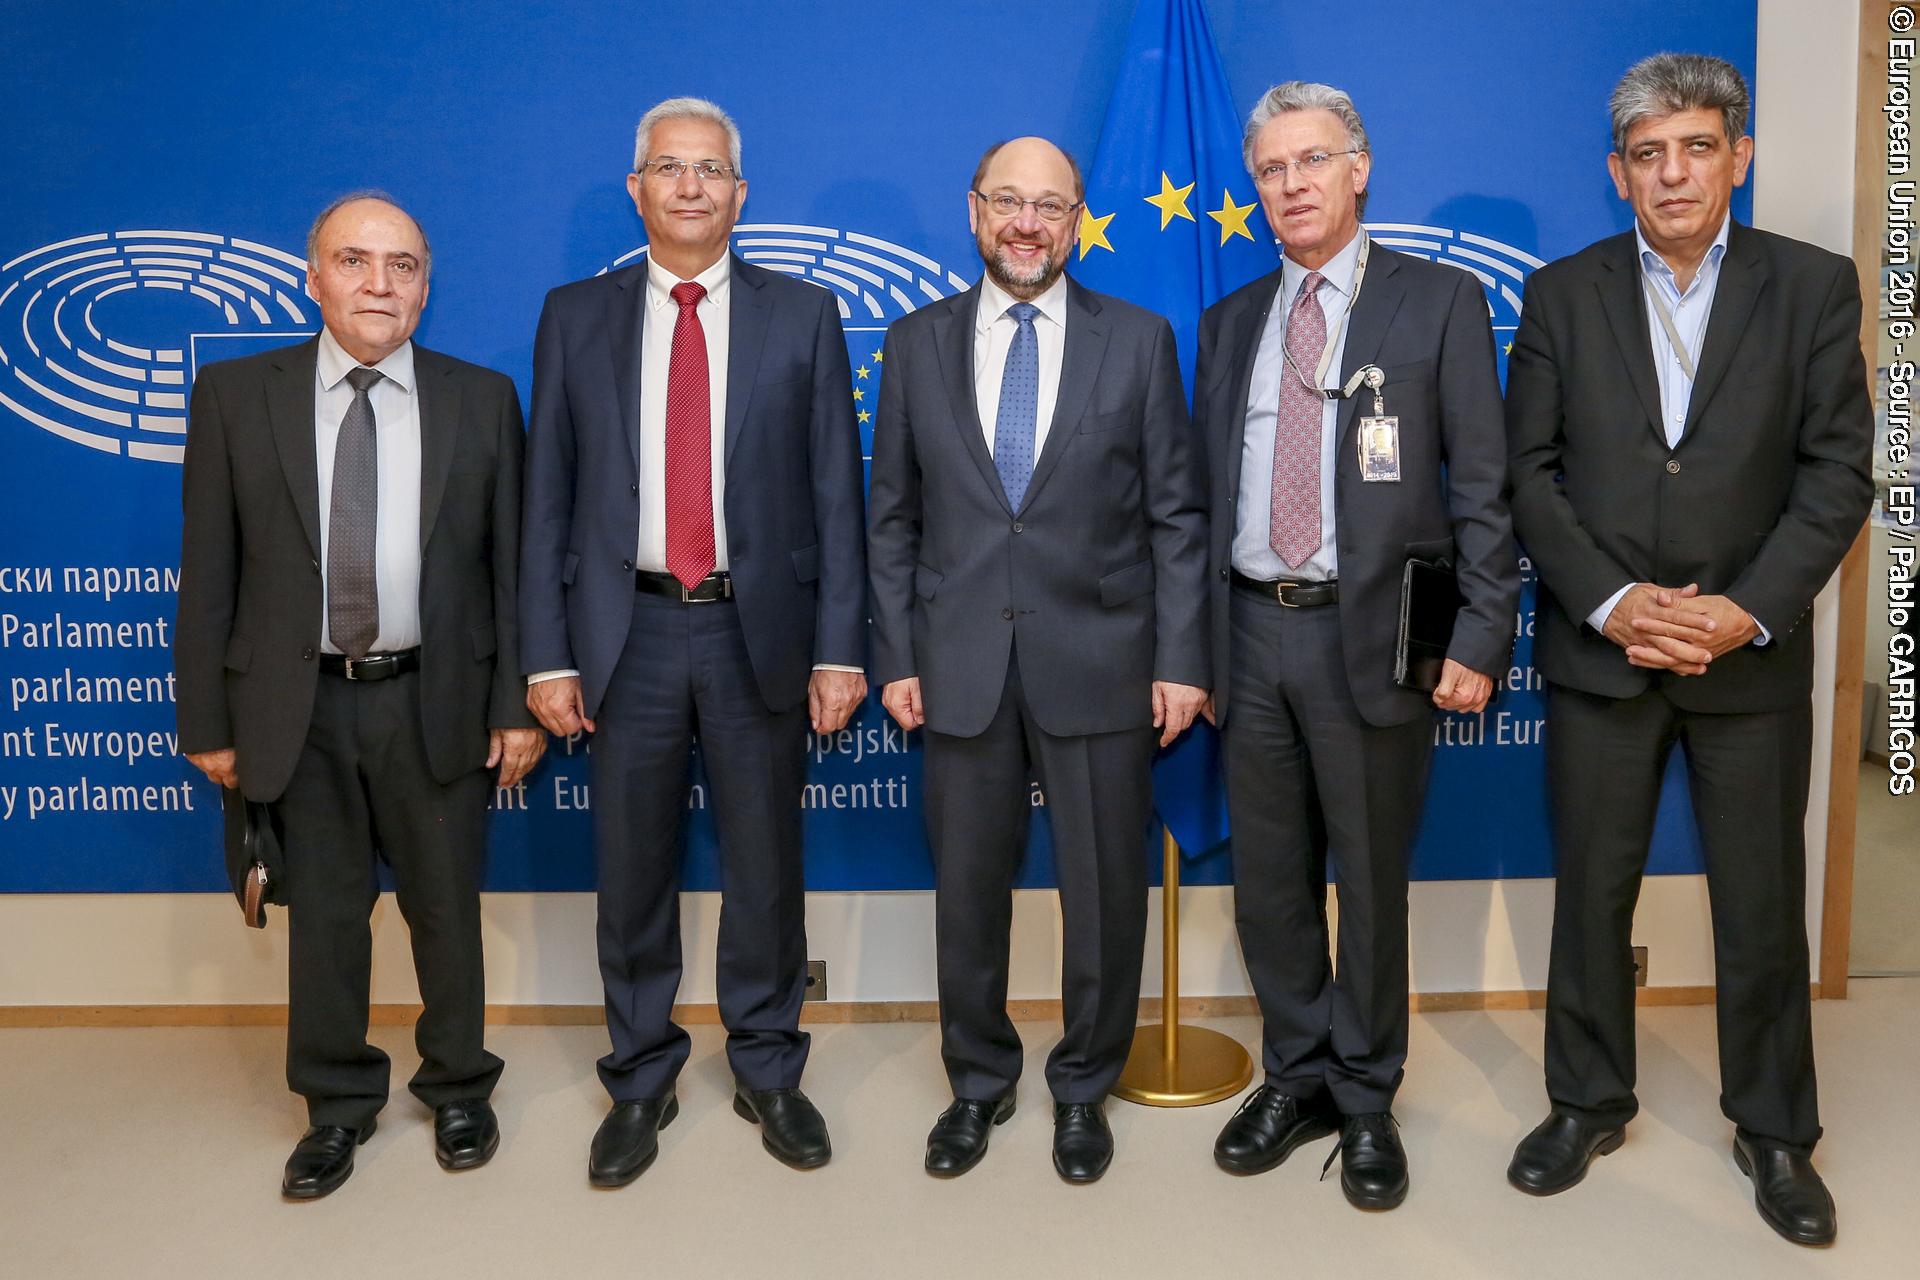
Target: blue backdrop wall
x=162 y=163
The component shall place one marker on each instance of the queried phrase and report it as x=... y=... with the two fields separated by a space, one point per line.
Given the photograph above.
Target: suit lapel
x=1626 y=312
x=439 y=431
x=1742 y=273
x=626 y=318
x=1087 y=332
x=290 y=395
x=1367 y=323
x=953 y=341
x=1246 y=344
x=747 y=313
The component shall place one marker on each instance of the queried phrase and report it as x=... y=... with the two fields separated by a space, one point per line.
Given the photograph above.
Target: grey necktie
x=353 y=601
x=1019 y=405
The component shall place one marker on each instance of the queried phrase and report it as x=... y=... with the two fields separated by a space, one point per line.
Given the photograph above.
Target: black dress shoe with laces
x=1266 y=1129
x=628 y=1140
x=959 y=1137
x=1373 y=1164
x=322 y=1160
x=791 y=1127
x=1787 y=1191
x=1082 y=1142
x=1556 y=1154
x=465 y=1133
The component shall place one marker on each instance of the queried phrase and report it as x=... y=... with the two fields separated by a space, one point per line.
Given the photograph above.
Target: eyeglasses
x=1007 y=205
x=1310 y=165
x=670 y=168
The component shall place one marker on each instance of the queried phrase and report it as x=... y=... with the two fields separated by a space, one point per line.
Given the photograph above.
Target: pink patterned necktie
x=1294 y=520
x=689 y=454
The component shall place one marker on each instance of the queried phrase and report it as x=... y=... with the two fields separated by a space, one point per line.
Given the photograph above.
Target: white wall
x=1467 y=936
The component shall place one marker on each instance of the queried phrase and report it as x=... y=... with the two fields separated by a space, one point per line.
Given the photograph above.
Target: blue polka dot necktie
x=1019 y=406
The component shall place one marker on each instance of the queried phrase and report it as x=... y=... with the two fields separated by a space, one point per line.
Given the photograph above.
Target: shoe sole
x=1811 y=1242
x=1248 y=1168
x=744 y=1109
x=999 y=1119
x=611 y=1181
x=1375 y=1204
x=1607 y=1147
x=332 y=1185
x=472 y=1160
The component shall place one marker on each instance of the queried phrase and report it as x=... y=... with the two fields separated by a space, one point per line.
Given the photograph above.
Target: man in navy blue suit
x=695 y=570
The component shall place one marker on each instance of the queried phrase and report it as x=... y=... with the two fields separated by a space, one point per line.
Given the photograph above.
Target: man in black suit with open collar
x=1037 y=544
x=347 y=653
x=1690 y=436
x=1314 y=520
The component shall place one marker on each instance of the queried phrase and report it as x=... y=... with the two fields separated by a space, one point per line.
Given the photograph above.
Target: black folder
x=1429 y=600
x=256 y=867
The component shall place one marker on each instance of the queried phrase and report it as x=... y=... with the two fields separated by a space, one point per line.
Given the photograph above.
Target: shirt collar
x=714 y=280
x=994 y=302
x=335 y=364
x=1657 y=265
x=1338 y=271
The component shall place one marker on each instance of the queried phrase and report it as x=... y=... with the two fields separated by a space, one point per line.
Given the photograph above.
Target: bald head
x=1021 y=209
x=1032 y=158
x=367 y=263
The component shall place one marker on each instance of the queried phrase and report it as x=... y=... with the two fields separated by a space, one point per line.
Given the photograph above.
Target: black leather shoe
x=322 y=1160
x=465 y=1133
x=1787 y=1191
x=1082 y=1142
x=1373 y=1164
x=959 y=1136
x=1556 y=1154
x=628 y=1140
x=791 y=1127
x=1266 y=1129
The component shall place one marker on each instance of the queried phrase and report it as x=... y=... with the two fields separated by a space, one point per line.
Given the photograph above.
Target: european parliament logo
x=1501 y=268
x=874 y=281
x=100 y=335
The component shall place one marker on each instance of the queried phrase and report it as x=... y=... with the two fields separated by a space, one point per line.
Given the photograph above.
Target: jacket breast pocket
x=1094 y=423
x=1126 y=584
x=1411 y=372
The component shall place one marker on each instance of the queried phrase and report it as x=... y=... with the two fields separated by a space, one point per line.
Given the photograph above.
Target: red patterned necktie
x=1294 y=520
x=689 y=445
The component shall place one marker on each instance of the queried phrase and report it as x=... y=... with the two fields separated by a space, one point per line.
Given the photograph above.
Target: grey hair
x=1303 y=95
x=370 y=193
x=1670 y=82
x=686 y=109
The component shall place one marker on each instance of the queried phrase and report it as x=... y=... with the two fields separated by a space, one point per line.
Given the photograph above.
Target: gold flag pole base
x=1171 y=1065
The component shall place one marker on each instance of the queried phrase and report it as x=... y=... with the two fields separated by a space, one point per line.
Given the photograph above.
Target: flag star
x=1171 y=202
x=865 y=416
x=1509 y=348
x=863 y=371
x=880 y=355
x=859 y=393
x=1232 y=217
x=1093 y=231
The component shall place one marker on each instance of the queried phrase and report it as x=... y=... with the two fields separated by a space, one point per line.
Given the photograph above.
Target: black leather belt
x=713 y=587
x=1294 y=595
x=375 y=666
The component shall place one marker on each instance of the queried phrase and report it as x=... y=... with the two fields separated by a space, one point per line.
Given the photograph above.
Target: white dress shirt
x=656 y=354
x=396 y=539
x=1253 y=552
x=993 y=331
x=1690 y=311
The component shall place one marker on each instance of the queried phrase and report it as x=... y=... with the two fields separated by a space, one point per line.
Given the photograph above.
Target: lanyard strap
x=1665 y=313
x=1319 y=384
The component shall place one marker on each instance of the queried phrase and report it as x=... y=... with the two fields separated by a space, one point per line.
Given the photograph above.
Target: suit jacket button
x=1019 y=527
x=1673 y=468
x=1007 y=614
x=634 y=488
x=306 y=655
x=1223 y=575
x=315 y=564
x=627 y=565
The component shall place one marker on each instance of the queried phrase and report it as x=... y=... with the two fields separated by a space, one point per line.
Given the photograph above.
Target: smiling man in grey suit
x=348 y=654
x=1314 y=521
x=1036 y=543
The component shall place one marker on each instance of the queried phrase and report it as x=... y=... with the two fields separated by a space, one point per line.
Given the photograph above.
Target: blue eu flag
x=1171 y=223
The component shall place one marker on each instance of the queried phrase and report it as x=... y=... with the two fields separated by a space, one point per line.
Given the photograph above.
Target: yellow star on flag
x=1093 y=231
x=1232 y=217
x=878 y=356
x=1171 y=202
x=863 y=371
x=865 y=416
x=859 y=393
x=1509 y=348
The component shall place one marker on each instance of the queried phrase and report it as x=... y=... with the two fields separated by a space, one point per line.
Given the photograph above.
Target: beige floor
x=156 y=1153
x=1886 y=878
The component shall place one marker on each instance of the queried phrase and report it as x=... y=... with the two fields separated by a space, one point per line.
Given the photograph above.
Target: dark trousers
x=1748 y=778
x=685 y=675
x=1307 y=776
x=1099 y=792
x=362 y=789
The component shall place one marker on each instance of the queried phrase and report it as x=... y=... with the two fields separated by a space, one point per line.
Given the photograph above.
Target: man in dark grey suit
x=694 y=568
x=348 y=655
x=1036 y=543
x=1317 y=506
x=1690 y=431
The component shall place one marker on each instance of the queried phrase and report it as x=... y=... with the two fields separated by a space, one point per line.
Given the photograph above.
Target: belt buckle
x=686 y=592
x=1280 y=594
x=347 y=665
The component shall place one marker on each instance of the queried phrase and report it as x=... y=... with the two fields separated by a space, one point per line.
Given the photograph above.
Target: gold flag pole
x=1171 y=1065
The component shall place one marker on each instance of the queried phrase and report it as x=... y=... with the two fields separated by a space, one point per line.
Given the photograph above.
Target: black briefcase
x=1429 y=601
